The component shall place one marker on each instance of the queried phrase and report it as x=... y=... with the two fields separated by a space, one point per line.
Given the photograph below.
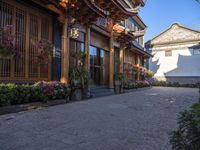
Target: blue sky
x=158 y=15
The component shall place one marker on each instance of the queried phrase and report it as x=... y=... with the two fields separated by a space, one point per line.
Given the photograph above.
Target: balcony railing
x=137 y=44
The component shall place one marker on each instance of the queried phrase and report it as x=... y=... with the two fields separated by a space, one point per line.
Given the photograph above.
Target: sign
x=105 y=23
x=57 y=52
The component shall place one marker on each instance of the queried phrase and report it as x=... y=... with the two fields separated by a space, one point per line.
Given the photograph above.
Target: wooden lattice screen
x=29 y=26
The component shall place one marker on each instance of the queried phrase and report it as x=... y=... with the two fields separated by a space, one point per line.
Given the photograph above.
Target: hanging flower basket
x=8 y=46
x=44 y=53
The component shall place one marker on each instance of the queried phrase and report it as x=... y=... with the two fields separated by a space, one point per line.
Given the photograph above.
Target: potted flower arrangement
x=8 y=46
x=79 y=78
x=45 y=51
x=120 y=80
x=117 y=83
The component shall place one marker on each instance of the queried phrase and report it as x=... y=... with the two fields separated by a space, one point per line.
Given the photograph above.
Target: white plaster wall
x=181 y=63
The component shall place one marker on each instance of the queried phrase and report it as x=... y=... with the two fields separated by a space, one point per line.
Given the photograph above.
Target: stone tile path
x=134 y=121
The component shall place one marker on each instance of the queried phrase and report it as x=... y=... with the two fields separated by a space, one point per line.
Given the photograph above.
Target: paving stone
x=140 y=120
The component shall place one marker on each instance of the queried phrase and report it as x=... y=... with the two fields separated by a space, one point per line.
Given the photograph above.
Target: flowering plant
x=149 y=73
x=54 y=89
x=134 y=84
x=45 y=49
x=8 y=45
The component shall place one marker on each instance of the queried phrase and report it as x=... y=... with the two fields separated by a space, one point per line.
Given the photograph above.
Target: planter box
x=138 y=89
x=30 y=106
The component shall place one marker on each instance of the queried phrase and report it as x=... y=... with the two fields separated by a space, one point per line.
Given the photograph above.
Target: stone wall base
x=180 y=79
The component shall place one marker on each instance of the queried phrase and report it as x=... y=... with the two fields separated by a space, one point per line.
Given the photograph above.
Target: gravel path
x=134 y=121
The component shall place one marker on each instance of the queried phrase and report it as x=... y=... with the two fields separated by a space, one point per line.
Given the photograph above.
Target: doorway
x=99 y=65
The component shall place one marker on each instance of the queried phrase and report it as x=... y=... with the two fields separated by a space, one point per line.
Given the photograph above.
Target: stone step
x=101 y=91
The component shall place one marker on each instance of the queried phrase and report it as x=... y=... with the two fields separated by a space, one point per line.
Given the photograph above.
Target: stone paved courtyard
x=135 y=121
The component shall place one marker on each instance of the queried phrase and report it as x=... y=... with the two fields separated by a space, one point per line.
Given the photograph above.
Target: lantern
x=74 y=33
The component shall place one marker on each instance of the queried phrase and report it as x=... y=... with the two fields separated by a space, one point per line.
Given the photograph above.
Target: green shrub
x=187 y=136
x=174 y=84
x=149 y=73
x=12 y=94
x=159 y=83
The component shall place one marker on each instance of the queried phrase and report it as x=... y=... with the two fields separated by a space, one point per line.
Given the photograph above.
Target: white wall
x=181 y=63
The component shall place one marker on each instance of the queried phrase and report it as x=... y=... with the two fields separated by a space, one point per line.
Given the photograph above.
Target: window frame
x=168 y=53
x=197 y=49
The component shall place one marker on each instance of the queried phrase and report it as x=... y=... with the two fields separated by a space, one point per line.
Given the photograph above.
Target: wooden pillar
x=65 y=53
x=111 y=64
x=138 y=64
x=121 y=58
x=87 y=49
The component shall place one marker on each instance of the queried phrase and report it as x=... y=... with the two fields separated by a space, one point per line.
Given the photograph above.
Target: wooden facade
x=29 y=26
x=52 y=20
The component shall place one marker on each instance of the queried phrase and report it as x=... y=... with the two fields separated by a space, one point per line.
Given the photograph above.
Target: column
x=65 y=53
x=111 y=64
x=87 y=49
x=138 y=64
x=121 y=58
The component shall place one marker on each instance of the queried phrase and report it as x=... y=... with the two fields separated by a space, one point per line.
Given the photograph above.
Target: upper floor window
x=168 y=53
x=196 y=51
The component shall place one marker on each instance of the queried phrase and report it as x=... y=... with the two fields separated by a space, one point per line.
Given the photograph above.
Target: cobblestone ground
x=134 y=121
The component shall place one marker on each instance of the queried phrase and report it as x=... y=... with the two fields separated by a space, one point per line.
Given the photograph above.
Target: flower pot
x=117 y=82
x=122 y=89
x=75 y=83
x=117 y=87
x=76 y=95
x=86 y=93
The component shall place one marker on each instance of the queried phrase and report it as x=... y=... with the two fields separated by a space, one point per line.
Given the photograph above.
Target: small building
x=107 y=31
x=176 y=55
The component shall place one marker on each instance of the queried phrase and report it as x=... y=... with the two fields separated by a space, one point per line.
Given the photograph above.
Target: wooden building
x=109 y=31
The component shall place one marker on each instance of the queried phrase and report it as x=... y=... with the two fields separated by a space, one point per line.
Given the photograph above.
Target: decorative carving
x=176 y=33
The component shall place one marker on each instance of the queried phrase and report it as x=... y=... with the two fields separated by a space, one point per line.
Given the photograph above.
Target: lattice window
x=29 y=26
x=6 y=15
x=20 y=31
x=33 y=38
x=44 y=36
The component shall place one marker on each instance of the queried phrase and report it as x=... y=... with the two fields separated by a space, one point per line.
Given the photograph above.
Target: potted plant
x=123 y=80
x=79 y=78
x=8 y=46
x=119 y=83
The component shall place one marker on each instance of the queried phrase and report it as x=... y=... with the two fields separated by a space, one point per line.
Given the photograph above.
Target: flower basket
x=8 y=46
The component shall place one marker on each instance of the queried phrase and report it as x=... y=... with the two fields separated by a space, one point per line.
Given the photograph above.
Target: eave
x=123 y=35
x=117 y=11
x=83 y=11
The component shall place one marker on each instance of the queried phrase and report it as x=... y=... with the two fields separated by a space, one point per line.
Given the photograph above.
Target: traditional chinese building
x=176 y=54
x=109 y=32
